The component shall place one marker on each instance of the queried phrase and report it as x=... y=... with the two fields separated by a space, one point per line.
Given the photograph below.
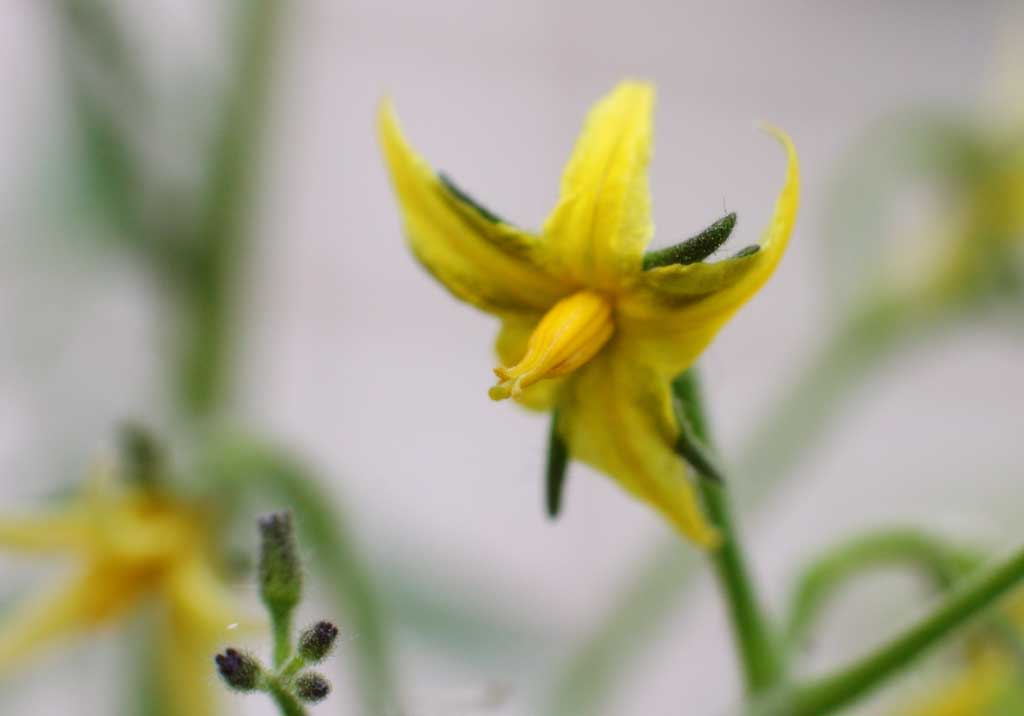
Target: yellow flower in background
x=991 y=683
x=585 y=329
x=130 y=545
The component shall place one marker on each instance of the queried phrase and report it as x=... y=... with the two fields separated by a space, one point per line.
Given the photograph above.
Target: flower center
x=569 y=334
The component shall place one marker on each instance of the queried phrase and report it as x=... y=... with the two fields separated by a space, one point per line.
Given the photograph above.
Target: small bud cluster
x=289 y=682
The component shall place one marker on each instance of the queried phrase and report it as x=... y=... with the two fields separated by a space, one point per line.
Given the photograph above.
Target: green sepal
x=689 y=444
x=696 y=248
x=557 y=465
x=465 y=198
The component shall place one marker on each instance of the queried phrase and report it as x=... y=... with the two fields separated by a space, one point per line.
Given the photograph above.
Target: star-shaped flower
x=130 y=545
x=589 y=328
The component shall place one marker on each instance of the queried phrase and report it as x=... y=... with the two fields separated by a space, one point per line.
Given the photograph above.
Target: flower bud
x=280 y=570
x=316 y=642
x=311 y=687
x=239 y=670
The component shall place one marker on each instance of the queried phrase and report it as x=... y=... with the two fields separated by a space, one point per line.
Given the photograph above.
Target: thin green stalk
x=757 y=644
x=288 y=704
x=940 y=561
x=211 y=290
x=335 y=556
x=831 y=693
x=803 y=416
x=282 y=640
x=598 y=664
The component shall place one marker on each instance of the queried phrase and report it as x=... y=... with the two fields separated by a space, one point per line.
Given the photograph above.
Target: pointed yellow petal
x=187 y=686
x=68 y=530
x=677 y=310
x=616 y=415
x=96 y=597
x=200 y=597
x=598 y=231
x=485 y=262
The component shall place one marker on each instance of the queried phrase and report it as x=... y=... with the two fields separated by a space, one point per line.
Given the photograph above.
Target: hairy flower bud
x=239 y=670
x=317 y=641
x=280 y=570
x=312 y=687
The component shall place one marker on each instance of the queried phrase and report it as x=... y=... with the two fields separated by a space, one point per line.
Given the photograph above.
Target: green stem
x=285 y=701
x=282 y=639
x=803 y=416
x=221 y=233
x=293 y=667
x=257 y=468
x=760 y=655
x=823 y=578
x=831 y=693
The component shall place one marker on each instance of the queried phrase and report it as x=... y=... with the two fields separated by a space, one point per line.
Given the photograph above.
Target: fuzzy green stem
x=758 y=647
x=286 y=702
x=282 y=639
x=293 y=667
x=831 y=693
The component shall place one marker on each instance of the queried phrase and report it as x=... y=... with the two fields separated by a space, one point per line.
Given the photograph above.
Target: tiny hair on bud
x=239 y=670
x=312 y=687
x=317 y=641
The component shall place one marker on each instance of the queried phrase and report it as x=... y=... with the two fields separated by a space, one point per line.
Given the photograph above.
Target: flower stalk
x=758 y=646
x=833 y=692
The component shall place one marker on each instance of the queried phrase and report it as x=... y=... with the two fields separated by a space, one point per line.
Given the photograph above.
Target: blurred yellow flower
x=585 y=329
x=130 y=545
x=992 y=680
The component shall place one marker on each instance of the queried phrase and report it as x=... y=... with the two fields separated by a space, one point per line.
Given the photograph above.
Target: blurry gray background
x=358 y=359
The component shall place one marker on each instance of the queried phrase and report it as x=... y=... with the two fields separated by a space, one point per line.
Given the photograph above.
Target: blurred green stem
x=941 y=562
x=758 y=647
x=804 y=414
x=831 y=693
x=211 y=287
x=254 y=466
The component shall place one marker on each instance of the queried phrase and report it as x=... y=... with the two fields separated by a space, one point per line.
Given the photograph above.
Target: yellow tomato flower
x=585 y=329
x=990 y=682
x=130 y=545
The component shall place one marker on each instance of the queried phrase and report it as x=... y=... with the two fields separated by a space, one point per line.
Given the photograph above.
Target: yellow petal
x=200 y=597
x=489 y=264
x=96 y=597
x=973 y=693
x=598 y=231
x=677 y=310
x=616 y=415
x=511 y=347
x=67 y=530
x=185 y=654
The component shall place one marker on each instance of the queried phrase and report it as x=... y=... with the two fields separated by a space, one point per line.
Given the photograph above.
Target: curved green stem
x=823 y=578
x=760 y=655
x=833 y=692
